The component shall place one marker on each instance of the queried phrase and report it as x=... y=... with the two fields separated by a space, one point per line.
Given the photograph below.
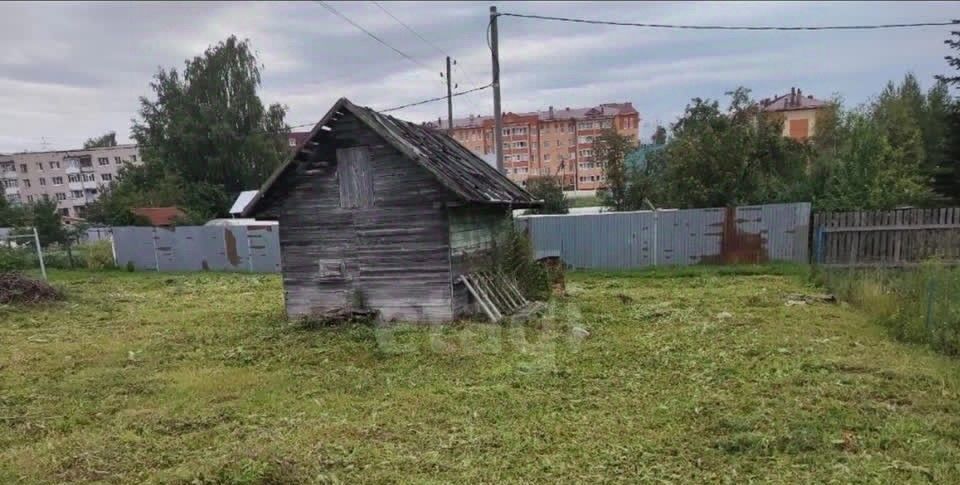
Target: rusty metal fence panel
x=625 y=240
x=254 y=248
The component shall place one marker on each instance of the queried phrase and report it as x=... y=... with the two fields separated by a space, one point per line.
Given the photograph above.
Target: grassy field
x=692 y=375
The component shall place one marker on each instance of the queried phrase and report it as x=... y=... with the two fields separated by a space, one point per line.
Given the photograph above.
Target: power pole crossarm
x=498 y=120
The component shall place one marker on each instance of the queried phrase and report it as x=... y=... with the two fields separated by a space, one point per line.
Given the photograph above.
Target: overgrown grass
x=142 y=377
x=918 y=305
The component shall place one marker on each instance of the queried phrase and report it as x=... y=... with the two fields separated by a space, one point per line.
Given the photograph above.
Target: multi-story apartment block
x=551 y=142
x=73 y=178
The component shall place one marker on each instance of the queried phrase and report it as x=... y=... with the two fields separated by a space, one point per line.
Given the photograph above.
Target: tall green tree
x=659 y=136
x=549 y=189
x=866 y=171
x=207 y=127
x=610 y=149
x=106 y=140
x=947 y=179
x=732 y=157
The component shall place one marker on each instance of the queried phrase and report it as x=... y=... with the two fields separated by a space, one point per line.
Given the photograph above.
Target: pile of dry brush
x=18 y=288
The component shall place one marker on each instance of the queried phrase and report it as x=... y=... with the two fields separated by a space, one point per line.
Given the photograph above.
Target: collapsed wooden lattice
x=496 y=294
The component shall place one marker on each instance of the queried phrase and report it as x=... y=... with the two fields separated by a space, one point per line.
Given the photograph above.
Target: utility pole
x=498 y=121
x=449 y=99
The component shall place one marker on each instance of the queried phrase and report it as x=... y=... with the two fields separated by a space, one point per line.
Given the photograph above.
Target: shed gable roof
x=455 y=167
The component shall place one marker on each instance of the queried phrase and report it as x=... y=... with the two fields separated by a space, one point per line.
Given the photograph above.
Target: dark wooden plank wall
x=472 y=230
x=394 y=251
x=902 y=237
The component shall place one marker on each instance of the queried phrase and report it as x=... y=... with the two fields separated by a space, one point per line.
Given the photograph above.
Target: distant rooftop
x=792 y=101
x=600 y=111
x=74 y=150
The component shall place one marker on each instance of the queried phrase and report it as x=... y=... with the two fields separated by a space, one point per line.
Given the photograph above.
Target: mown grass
x=197 y=378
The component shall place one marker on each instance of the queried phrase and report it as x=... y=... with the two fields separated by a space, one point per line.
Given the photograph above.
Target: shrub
x=512 y=255
x=12 y=259
x=99 y=255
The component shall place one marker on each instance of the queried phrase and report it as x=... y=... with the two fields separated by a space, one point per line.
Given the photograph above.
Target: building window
x=57 y=181
x=26 y=183
x=54 y=165
x=563 y=128
x=103 y=161
x=106 y=177
x=117 y=160
x=133 y=158
x=61 y=196
x=23 y=168
x=72 y=177
x=30 y=198
x=606 y=124
x=43 y=181
x=65 y=212
x=292 y=142
x=88 y=177
x=546 y=156
x=585 y=125
x=519 y=144
x=76 y=194
x=40 y=166
x=584 y=139
x=46 y=196
x=10 y=183
x=586 y=152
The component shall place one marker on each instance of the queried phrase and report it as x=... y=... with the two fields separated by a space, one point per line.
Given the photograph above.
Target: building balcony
x=11 y=191
x=72 y=169
x=10 y=174
x=81 y=185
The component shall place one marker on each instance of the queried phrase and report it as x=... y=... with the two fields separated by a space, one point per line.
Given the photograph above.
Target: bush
x=13 y=259
x=512 y=255
x=99 y=255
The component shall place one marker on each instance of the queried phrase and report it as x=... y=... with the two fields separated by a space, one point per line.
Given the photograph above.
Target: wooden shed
x=383 y=214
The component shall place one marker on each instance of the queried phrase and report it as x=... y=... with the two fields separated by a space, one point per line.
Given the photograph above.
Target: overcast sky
x=71 y=71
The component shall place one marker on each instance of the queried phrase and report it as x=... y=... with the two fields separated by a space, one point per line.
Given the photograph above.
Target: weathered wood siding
x=472 y=231
x=387 y=247
x=901 y=237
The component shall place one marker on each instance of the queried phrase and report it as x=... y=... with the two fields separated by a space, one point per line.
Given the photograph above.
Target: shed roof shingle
x=455 y=167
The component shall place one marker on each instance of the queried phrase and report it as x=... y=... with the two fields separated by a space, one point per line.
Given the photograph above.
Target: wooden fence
x=902 y=237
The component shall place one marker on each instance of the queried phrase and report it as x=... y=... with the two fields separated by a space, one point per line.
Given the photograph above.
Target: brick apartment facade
x=552 y=142
x=73 y=178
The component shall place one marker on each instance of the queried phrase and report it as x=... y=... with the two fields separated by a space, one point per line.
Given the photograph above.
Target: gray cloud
x=74 y=70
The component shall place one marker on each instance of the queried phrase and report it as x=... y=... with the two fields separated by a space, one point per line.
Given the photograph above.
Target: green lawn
x=687 y=376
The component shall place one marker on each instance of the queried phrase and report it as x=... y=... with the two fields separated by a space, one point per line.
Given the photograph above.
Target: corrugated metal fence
x=624 y=240
x=195 y=248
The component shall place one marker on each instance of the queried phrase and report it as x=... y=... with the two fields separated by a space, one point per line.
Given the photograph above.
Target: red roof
x=160 y=216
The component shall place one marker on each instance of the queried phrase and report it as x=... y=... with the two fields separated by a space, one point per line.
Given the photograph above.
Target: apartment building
x=73 y=178
x=553 y=142
x=799 y=113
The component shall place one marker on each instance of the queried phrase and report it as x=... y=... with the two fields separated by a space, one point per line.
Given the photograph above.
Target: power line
x=728 y=27
x=435 y=47
x=418 y=103
x=410 y=29
x=372 y=35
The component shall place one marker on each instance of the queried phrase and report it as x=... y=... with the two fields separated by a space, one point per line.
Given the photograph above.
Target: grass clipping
x=18 y=288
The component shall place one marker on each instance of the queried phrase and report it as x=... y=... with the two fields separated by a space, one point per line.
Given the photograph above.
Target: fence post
x=36 y=240
x=818 y=244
